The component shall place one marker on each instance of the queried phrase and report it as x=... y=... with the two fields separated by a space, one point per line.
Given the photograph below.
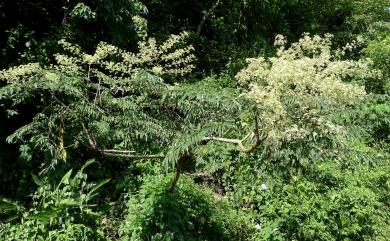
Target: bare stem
x=240 y=142
x=179 y=167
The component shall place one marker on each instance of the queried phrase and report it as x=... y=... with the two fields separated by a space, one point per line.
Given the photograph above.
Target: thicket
x=195 y=120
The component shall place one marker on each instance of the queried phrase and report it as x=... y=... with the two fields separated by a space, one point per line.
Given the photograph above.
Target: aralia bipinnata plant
x=117 y=103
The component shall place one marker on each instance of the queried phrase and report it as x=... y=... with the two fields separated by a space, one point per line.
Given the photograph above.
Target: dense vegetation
x=195 y=120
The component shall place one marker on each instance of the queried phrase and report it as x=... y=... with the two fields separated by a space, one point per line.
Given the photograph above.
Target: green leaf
x=89 y=162
x=69 y=203
x=97 y=186
x=7 y=205
x=37 y=180
x=65 y=178
x=43 y=216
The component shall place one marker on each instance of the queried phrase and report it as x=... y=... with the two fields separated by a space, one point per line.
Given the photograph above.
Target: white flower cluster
x=18 y=73
x=141 y=26
x=173 y=57
x=303 y=85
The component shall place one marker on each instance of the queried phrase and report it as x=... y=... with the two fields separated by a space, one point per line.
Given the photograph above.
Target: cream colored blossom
x=157 y=70
x=141 y=26
x=290 y=88
x=51 y=76
x=170 y=57
x=16 y=74
x=109 y=64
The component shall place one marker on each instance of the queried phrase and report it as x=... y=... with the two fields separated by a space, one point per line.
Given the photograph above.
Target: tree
x=107 y=99
x=302 y=91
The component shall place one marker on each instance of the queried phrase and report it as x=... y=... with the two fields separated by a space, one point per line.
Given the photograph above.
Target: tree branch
x=180 y=162
x=116 y=153
x=206 y=15
x=240 y=142
x=179 y=167
x=130 y=156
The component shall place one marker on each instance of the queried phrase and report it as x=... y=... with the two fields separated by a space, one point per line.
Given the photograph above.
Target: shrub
x=187 y=213
x=60 y=212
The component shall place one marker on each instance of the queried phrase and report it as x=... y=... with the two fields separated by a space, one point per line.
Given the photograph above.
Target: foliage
x=33 y=28
x=379 y=51
x=373 y=114
x=60 y=212
x=83 y=11
x=301 y=92
x=225 y=32
x=298 y=193
x=109 y=88
x=365 y=13
x=324 y=202
x=187 y=213
x=268 y=140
